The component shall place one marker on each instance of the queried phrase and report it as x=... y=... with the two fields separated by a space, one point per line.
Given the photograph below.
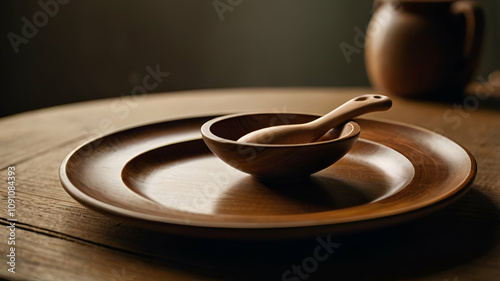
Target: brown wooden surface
x=58 y=239
x=158 y=176
x=283 y=162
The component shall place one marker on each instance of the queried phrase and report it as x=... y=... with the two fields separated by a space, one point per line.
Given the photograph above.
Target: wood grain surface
x=276 y=162
x=162 y=176
x=58 y=239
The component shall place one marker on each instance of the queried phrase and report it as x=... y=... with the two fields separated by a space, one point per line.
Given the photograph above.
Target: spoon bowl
x=276 y=162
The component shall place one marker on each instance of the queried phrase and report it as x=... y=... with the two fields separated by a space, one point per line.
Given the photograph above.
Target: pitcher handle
x=474 y=24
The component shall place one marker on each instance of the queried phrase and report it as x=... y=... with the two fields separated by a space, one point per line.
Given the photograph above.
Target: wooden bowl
x=276 y=162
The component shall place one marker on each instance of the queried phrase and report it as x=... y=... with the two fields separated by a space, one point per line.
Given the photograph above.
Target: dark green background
x=98 y=49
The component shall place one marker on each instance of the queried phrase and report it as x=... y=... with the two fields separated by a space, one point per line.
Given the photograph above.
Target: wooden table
x=58 y=239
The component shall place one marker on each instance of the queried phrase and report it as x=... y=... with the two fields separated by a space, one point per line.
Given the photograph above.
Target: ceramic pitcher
x=417 y=48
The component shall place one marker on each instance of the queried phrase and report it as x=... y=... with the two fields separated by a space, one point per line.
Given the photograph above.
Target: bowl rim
x=206 y=131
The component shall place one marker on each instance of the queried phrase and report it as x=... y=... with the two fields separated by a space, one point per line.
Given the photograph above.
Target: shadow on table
x=476 y=96
x=421 y=247
x=484 y=99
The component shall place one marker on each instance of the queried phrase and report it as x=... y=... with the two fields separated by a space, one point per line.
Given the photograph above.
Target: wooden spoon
x=312 y=131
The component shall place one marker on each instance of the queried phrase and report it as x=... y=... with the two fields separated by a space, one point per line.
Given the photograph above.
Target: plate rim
x=132 y=215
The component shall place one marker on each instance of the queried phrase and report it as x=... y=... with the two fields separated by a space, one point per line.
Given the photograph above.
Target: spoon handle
x=352 y=108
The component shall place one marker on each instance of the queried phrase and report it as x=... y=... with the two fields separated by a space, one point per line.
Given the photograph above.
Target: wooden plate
x=162 y=176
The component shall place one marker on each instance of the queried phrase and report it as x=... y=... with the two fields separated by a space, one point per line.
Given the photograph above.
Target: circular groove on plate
x=443 y=171
x=186 y=176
